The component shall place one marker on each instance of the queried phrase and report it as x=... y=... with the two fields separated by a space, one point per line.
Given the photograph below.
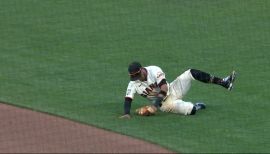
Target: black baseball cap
x=134 y=70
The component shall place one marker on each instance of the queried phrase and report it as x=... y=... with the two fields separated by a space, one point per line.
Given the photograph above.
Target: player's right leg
x=179 y=106
x=226 y=82
x=181 y=85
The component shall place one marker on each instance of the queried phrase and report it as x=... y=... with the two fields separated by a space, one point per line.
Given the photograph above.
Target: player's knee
x=200 y=76
x=195 y=73
x=193 y=111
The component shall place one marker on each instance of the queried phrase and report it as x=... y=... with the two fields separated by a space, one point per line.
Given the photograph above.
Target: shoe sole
x=203 y=106
x=232 y=80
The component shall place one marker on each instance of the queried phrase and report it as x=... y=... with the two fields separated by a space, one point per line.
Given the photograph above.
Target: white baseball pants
x=177 y=90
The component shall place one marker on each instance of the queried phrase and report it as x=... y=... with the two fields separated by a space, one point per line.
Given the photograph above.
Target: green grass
x=69 y=58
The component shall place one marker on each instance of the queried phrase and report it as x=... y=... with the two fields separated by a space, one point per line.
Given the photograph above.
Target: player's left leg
x=226 y=82
x=186 y=108
x=178 y=106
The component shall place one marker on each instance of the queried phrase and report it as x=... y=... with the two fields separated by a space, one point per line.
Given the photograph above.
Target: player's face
x=143 y=75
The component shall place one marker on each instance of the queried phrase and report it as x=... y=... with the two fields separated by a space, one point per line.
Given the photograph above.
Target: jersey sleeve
x=131 y=90
x=159 y=74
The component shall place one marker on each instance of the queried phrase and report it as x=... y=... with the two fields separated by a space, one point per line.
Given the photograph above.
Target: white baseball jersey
x=149 y=87
x=176 y=90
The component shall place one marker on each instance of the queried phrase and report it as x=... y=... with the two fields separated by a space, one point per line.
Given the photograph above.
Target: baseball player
x=150 y=82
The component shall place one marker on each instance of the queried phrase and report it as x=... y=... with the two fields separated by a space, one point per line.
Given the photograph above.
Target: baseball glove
x=146 y=110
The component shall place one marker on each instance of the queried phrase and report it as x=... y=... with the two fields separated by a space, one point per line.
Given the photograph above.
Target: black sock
x=200 y=75
x=193 y=111
x=206 y=77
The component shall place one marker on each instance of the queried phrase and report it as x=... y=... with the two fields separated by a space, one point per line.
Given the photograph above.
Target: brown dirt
x=26 y=131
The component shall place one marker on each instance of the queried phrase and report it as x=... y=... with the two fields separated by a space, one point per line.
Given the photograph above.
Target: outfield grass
x=69 y=58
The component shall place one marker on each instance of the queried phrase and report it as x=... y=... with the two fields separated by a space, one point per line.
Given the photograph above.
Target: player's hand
x=125 y=116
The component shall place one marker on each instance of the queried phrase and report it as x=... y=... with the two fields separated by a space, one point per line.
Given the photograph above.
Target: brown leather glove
x=146 y=110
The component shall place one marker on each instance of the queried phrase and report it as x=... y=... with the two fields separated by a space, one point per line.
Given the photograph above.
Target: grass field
x=69 y=58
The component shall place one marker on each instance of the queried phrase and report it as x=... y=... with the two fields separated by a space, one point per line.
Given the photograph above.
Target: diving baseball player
x=150 y=82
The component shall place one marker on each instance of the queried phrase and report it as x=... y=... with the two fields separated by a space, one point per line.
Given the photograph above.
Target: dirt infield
x=26 y=131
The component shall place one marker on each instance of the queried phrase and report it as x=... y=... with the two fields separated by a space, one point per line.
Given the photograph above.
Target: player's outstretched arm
x=127 y=107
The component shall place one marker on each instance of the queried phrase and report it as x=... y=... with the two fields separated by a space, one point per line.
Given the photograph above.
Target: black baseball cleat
x=200 y=105
x=229 y=80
